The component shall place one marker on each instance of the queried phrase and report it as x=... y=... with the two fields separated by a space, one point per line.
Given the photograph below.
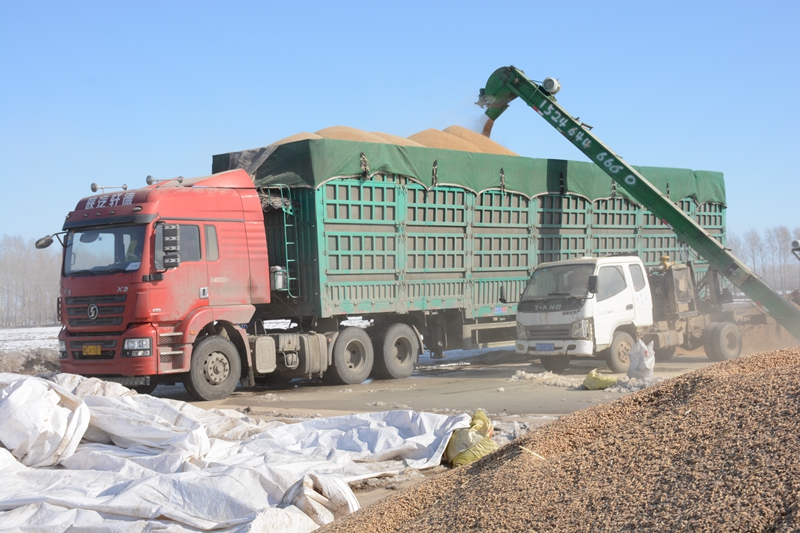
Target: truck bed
x=389 y=239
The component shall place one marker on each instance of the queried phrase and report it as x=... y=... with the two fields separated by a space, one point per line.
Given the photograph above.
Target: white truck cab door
x=614 y=303
x=642 y=299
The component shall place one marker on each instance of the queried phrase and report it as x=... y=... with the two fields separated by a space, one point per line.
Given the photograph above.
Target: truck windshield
x=558 y=281
x=107 y=250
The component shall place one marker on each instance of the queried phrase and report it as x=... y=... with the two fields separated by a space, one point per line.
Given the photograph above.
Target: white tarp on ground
x=82 y=453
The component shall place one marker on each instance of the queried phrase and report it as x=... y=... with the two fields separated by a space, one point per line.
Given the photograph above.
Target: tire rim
x=402 y=351
x=730 y=342
x=216 y=368
x=623 y=352
x=356 y=355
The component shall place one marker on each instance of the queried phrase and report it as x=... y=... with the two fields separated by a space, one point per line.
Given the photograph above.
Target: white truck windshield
x=561 y=280
x=97 y=251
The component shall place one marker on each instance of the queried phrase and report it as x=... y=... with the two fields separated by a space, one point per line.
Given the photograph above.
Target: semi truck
x=679 y=319
x=256 y=272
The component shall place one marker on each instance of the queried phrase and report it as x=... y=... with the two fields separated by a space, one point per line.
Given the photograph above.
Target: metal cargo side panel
x=362 y=245
x=570 y=226
x=562 y=226
x=659 y=239
x=387 y=244
x=503 y=251
x=392 y=245
x=438 y=244
x=616 y=227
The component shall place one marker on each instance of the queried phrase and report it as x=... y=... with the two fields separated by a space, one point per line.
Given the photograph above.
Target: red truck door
x=186 y=287
x=228 y=264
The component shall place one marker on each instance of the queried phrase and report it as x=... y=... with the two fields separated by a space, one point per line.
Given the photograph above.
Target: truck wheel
x=396 y=353
x=555 y=363
x=215 y=371
x=665 y=354
x=352 y=358
x=708 y=342
x=727 y=341
x=618 y=356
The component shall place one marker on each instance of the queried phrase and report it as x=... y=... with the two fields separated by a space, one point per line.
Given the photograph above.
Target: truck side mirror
x=44 y=242
x=502 y=297
x=593 y=284
x=171 y=244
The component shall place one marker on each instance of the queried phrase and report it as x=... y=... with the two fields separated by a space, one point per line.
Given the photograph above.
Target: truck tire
x=353 y=357
x=618 y=356
x=665 y=354
x=727 y=341
x=396 y=353
x=708 y=342
x=215 y=370
x=555 y=363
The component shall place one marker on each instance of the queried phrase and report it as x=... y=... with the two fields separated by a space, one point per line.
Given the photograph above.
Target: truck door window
x=190 y=243
x=637 y=276
x=212 y=247
x=610 y=282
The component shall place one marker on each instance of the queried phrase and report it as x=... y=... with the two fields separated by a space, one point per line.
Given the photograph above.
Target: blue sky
x=110 y=92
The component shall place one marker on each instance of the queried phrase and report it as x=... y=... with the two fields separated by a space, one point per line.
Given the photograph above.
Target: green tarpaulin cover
x=310 y=163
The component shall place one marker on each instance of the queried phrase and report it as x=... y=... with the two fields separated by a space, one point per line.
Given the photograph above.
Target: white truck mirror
x=593 y=284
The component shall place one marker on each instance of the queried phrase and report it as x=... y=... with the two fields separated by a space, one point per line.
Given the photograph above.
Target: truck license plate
x=545 y=346
x=92 y=349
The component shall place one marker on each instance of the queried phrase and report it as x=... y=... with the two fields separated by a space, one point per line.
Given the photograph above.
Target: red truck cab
x=148 y=274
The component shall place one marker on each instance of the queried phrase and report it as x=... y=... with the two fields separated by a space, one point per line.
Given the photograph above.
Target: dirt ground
x=712 y=450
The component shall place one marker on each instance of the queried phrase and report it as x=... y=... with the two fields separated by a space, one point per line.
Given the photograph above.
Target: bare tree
x=29 y=283
x=753 y=248
x=778 y=241
x=734 y=242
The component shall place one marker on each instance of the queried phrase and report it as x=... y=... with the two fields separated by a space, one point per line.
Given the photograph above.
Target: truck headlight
x=522 y=332
x=582 y=329
x=136 y=348
x=62 y=349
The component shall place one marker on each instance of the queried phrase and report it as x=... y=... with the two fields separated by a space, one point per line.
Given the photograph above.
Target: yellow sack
x=597 y=381
x=470 y=444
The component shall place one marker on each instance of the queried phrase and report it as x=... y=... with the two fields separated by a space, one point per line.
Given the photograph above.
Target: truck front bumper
x=108 y=356
x=555 y=347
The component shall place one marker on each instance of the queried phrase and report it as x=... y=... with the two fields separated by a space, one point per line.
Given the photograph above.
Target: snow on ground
x=20 y=339
x=29 y=350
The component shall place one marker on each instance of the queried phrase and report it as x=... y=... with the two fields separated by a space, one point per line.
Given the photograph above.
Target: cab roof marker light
x=95 y=187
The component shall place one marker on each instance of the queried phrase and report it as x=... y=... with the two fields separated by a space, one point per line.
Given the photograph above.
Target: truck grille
x=548 y=332
x=110 y=310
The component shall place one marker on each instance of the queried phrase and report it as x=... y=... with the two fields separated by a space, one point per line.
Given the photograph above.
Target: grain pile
x=302 y=136
x=714 y=450
x=433 y=138
x=346 y=133
x=452 y=138
x=485 y=144
x=396 y=139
